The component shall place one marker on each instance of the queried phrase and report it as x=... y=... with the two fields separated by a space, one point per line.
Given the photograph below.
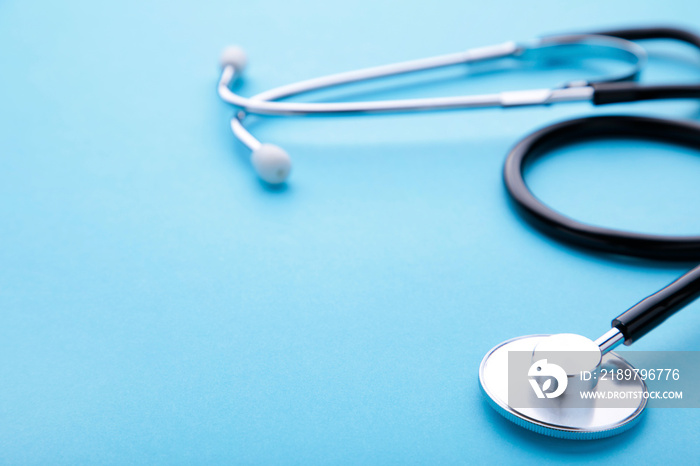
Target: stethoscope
x=566 y=418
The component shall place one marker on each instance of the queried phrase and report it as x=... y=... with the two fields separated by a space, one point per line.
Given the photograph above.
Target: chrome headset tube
x=539 y=50
x=612 y=89
x=603 y=46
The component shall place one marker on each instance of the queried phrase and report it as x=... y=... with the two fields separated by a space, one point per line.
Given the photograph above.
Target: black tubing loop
x=651 y=311
x=672 y=248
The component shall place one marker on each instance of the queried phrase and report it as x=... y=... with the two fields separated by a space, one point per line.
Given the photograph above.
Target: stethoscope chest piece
x=567 y=416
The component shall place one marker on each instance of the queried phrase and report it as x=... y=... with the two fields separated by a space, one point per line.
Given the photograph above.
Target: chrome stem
x=610 y=340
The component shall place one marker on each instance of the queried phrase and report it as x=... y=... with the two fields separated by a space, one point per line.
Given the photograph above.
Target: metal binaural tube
x=502 y=99
x=266 y=103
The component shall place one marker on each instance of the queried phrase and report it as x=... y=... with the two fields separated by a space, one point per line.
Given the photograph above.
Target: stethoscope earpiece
x=271 y=163
x=235 y=57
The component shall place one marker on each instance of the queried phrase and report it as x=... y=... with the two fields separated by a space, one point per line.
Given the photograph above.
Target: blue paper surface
x=159 y=305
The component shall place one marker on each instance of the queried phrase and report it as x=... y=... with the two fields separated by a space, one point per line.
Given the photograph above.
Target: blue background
x=158 y=304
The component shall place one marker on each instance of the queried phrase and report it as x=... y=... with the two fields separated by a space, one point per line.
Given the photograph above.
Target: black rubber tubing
x=648 y=313
x=652 y=310
x=617 y=92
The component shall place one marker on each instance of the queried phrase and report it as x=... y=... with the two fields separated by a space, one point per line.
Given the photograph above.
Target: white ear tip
x=235 y=56
x=271 y=163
